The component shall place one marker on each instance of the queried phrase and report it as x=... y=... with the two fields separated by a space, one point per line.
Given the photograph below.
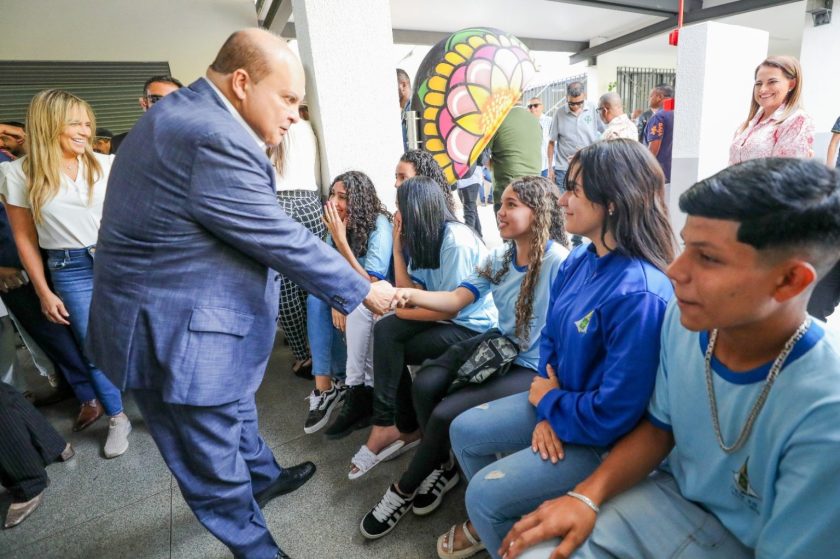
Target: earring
x=611 y=211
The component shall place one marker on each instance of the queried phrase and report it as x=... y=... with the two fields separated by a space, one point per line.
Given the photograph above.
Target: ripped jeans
x=501 y=491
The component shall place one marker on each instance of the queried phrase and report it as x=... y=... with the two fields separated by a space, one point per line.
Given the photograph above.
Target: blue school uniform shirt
x=380 y=245
x=506 y=294
x=461 y=253
x=380 y=249
x=777 y=494
x=601 y=337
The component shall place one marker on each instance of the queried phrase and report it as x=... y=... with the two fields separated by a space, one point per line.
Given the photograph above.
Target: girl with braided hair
x=519 y=275
x=360 y=229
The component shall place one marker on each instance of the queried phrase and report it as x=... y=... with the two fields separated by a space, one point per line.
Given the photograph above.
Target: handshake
x=384 y=297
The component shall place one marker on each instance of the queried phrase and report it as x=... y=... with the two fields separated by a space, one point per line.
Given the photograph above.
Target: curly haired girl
x=360 y=229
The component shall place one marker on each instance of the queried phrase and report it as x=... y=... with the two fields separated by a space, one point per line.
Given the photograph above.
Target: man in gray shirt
x=575 y=126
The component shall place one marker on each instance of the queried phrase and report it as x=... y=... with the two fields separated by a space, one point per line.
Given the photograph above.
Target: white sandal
x=448 y=539
x=365 y=460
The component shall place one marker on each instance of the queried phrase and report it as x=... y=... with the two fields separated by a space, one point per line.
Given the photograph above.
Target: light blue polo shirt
x=380 y=244
x=779 y=493
x=506 y=294
x=461 y=253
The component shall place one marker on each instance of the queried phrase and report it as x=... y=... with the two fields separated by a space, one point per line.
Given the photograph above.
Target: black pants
x=436 y=410
x=397 y=343
x=28 y=443
x=469 y=197
x=56 y=340
x=826 y=295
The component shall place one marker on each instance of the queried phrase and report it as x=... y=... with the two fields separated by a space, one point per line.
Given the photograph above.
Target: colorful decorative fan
x=466 y=86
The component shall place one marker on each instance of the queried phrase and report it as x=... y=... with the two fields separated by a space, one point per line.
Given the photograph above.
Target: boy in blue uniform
x=747 y=400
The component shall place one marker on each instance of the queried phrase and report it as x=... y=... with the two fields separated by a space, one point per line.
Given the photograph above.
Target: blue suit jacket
x=184 y=298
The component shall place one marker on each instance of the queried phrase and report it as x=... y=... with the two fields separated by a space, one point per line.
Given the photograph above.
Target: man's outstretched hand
x=378 y=300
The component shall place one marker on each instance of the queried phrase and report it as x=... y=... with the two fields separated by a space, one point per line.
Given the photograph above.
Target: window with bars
x=111 y=88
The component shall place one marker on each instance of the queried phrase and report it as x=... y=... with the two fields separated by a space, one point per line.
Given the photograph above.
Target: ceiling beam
x=661 y=8
x=278 y=12
x=417 y=37
x=693 y=16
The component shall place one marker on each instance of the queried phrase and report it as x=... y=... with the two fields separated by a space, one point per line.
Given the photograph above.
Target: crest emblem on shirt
x=583 y=323
x=742 y=487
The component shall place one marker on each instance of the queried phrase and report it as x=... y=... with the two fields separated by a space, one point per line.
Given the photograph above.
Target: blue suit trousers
x=220 y=461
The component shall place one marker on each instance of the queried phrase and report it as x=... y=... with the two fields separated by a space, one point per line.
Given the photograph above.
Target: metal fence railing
x=634 y=85
x=553 y=94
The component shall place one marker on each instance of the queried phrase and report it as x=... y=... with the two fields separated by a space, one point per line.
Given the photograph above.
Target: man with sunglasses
x=575 y=126
x=536 y=107
x=155 y=89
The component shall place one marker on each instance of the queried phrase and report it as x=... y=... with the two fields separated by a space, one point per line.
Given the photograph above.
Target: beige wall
x=186 y=33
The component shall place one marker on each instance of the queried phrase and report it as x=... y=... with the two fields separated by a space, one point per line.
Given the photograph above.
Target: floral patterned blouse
x=770 y=138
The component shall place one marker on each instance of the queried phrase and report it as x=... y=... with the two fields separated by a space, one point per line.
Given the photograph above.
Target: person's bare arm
x=550 y=158
x=441 y=301
x=630 y=461
x=654 y=146
x=26 y=240
x=831 y=157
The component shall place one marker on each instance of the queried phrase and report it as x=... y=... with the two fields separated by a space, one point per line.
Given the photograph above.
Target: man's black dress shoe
x=291 y=479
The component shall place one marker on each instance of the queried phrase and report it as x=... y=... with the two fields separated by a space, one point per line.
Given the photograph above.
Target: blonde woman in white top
x=54 y=200
x=298 y=179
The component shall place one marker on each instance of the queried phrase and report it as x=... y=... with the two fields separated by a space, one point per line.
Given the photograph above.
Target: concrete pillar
x=819 y=56
x=351 y=85
x=714 y=88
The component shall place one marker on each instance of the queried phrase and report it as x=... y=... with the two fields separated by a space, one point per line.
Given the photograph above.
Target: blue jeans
x=72 y=277
x=502 y=491
x=560 y=178
x=326 y=342
x=652 y=519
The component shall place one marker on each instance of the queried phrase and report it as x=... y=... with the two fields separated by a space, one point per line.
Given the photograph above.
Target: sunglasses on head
x=575 y=103
x=534 y=105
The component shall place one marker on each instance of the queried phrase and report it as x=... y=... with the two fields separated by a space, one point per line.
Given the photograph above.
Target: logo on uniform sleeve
x=583 y=323
x=742 y=487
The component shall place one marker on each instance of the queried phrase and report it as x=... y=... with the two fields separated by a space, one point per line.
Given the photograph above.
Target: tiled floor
x=130 y=507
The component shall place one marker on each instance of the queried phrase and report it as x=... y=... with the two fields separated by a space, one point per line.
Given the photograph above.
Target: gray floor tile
x=90 y=485
x=138 y=530
x=318 y=521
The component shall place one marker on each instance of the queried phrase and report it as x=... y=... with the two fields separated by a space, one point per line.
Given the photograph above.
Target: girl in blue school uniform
x=441 y=253
x=598 y=355
x=360 y=229
x=519 y=275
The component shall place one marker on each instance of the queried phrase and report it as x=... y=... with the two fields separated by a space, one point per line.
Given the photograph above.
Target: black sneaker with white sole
x=385 y=514
x=430 y=493
x=321 y=406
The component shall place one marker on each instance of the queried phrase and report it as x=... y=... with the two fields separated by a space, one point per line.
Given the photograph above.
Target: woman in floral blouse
x=776 y=125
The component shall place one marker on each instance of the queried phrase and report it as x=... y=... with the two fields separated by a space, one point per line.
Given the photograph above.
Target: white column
x=715 y=67
x=346 y=48
x=819 y=56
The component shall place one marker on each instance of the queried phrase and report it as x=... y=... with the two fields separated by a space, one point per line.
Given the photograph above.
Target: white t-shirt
x=68 y=220
x=301 y=165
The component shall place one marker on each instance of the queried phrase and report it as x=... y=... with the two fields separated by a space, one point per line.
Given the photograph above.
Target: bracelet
x=585 y=500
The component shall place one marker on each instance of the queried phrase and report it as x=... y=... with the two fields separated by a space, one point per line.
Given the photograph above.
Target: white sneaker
x=117 y=442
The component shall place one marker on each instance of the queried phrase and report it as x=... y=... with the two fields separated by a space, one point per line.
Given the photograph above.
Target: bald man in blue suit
x=186 y=287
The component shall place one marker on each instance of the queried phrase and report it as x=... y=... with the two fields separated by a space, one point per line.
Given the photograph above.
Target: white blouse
x=301 y=165
x=67 y=220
